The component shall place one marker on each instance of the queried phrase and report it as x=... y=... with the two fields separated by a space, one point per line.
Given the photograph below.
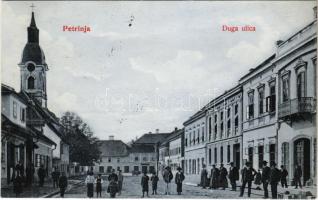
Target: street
x=132 y=189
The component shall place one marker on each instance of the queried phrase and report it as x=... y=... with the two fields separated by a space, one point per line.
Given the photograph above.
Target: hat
x=248 y=163
x=179 y=169
x=265 y=162
x=231 y=163
x=273 y=163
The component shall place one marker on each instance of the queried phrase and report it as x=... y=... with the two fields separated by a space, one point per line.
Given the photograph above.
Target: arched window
x=31 y=82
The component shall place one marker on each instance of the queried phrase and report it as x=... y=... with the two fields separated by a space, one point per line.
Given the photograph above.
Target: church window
x=31 y=82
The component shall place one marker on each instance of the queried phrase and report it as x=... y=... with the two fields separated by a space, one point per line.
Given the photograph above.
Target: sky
x=129 y=80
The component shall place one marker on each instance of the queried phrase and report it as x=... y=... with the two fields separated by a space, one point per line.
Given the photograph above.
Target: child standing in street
x=154 y=180
x=99 y=182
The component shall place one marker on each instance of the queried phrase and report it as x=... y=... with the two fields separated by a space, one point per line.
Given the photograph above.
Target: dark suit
x=233 y=176
x=265 y=180
x=247 y=178
x=275 y=176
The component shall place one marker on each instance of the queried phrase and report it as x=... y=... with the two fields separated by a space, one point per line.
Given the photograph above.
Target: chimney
x=111 y=137
x=279 y=42
x=315 y=12
x=175 y=128
x=157 y=130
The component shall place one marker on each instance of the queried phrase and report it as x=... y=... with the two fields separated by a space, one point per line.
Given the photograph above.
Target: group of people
x=115 y=184
x=269 y=176
x=24 y=178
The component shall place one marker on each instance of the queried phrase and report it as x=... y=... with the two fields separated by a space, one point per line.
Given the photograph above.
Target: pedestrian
x=29 y=175
x=144 y=184
x=284 y=174
x=99 y=181
x=41 y=175
x=18 y=184
x=55 y=177
x=113 y=176
x=120 y=181
x=297 y=176
x=20 y=168
x=204 y=177
x=223 y=177
x=89 y=181
x=154 y=180
x=248 y=174
x=214 y=177
x=62 y=184
x=275 y=177
x=179 y=178
x=112 y=188
x=258 y=180
x=265 y=178
x=233 y=175
x=167 y=177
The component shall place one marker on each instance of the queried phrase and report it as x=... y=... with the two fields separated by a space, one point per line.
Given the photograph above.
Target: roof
x=9 y=126
x=151 y=138
x=113 y=148
x=142 y=148
x=173 y=135
x=252 y=70
x=196 y=116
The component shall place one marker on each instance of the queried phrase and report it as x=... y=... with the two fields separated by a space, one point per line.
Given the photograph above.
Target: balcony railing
x=295 y=106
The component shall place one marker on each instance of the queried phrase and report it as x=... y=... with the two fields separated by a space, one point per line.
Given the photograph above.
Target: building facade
x=224 y=125
x=195 y=139
x=296 y=97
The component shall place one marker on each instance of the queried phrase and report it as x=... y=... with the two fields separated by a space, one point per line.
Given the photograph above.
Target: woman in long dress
x=90 y=184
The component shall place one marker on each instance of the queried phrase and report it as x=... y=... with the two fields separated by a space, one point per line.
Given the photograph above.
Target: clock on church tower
x=33 y=66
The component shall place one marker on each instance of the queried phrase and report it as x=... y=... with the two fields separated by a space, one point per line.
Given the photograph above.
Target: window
x=215 y=131
x=228 y=127
x=261 y=101
x=194 y=137
x=15 y=109
x=210 y=156
x=221 y=154
x=221 y=116
x=210 y=127
x=126 y=169
x=285 y=154
x=260 y=156
x=236 y=109
x=22 y=114
x=285 y=88
x=109 y=159
x=190 y=139
x=203 y=134
x=198 y=138
x=215 y=118
x=37 y=160
x=118 y=160
x=136 y=158
x=101 y=169
x=222 y=129
x=250 y=155
x=31 y=82
x=228 y=153
x=236 y=124
x=272 y=149
x=144 y=159
x=250 y=107
x=271 y=99
x=186 y=142
x=301 y=85
x=215 y=155
x=61 y=147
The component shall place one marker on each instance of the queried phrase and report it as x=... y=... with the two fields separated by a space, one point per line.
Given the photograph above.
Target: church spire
x=33 y=31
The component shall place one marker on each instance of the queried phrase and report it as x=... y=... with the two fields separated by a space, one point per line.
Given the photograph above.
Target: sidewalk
x=35 y=190
x=293 y=193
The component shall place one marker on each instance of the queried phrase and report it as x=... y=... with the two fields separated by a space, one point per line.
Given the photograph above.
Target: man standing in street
x=248 y=174
x=113 y=176
x=62 y=184
x=223 y=177
x=204 y=177
x=265 y=178
x=274 y=179
x=233 y=176
x=120 y=181
x=55 y=177
x=284 y=174
x=214 y=177
x=179 y=179
x=41 y=175
x=297 y=176
x=167 y=177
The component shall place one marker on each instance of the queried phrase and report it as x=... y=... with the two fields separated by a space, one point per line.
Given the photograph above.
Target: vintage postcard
x=159 y=99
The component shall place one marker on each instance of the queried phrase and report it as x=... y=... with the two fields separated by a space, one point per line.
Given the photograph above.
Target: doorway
x=236 y=155
x=302 y=157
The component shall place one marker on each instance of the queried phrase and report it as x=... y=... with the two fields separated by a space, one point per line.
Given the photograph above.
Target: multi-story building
x=224 y=127
x=195 y=139
x=171 y=150
x=259 y=114
x=296 y=98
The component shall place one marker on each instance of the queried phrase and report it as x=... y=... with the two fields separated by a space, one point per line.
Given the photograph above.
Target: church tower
x=33 y=66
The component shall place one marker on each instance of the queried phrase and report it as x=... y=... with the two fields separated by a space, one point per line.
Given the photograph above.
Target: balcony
x=296 y=106
x=35 y=122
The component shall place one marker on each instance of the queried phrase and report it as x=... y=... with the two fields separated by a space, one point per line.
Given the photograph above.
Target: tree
x=84 y=148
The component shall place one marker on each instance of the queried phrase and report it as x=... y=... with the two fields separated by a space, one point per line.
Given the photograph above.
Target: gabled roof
x=151 y=138
x=142 y=148
x=173 y=135
x=113 y=148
